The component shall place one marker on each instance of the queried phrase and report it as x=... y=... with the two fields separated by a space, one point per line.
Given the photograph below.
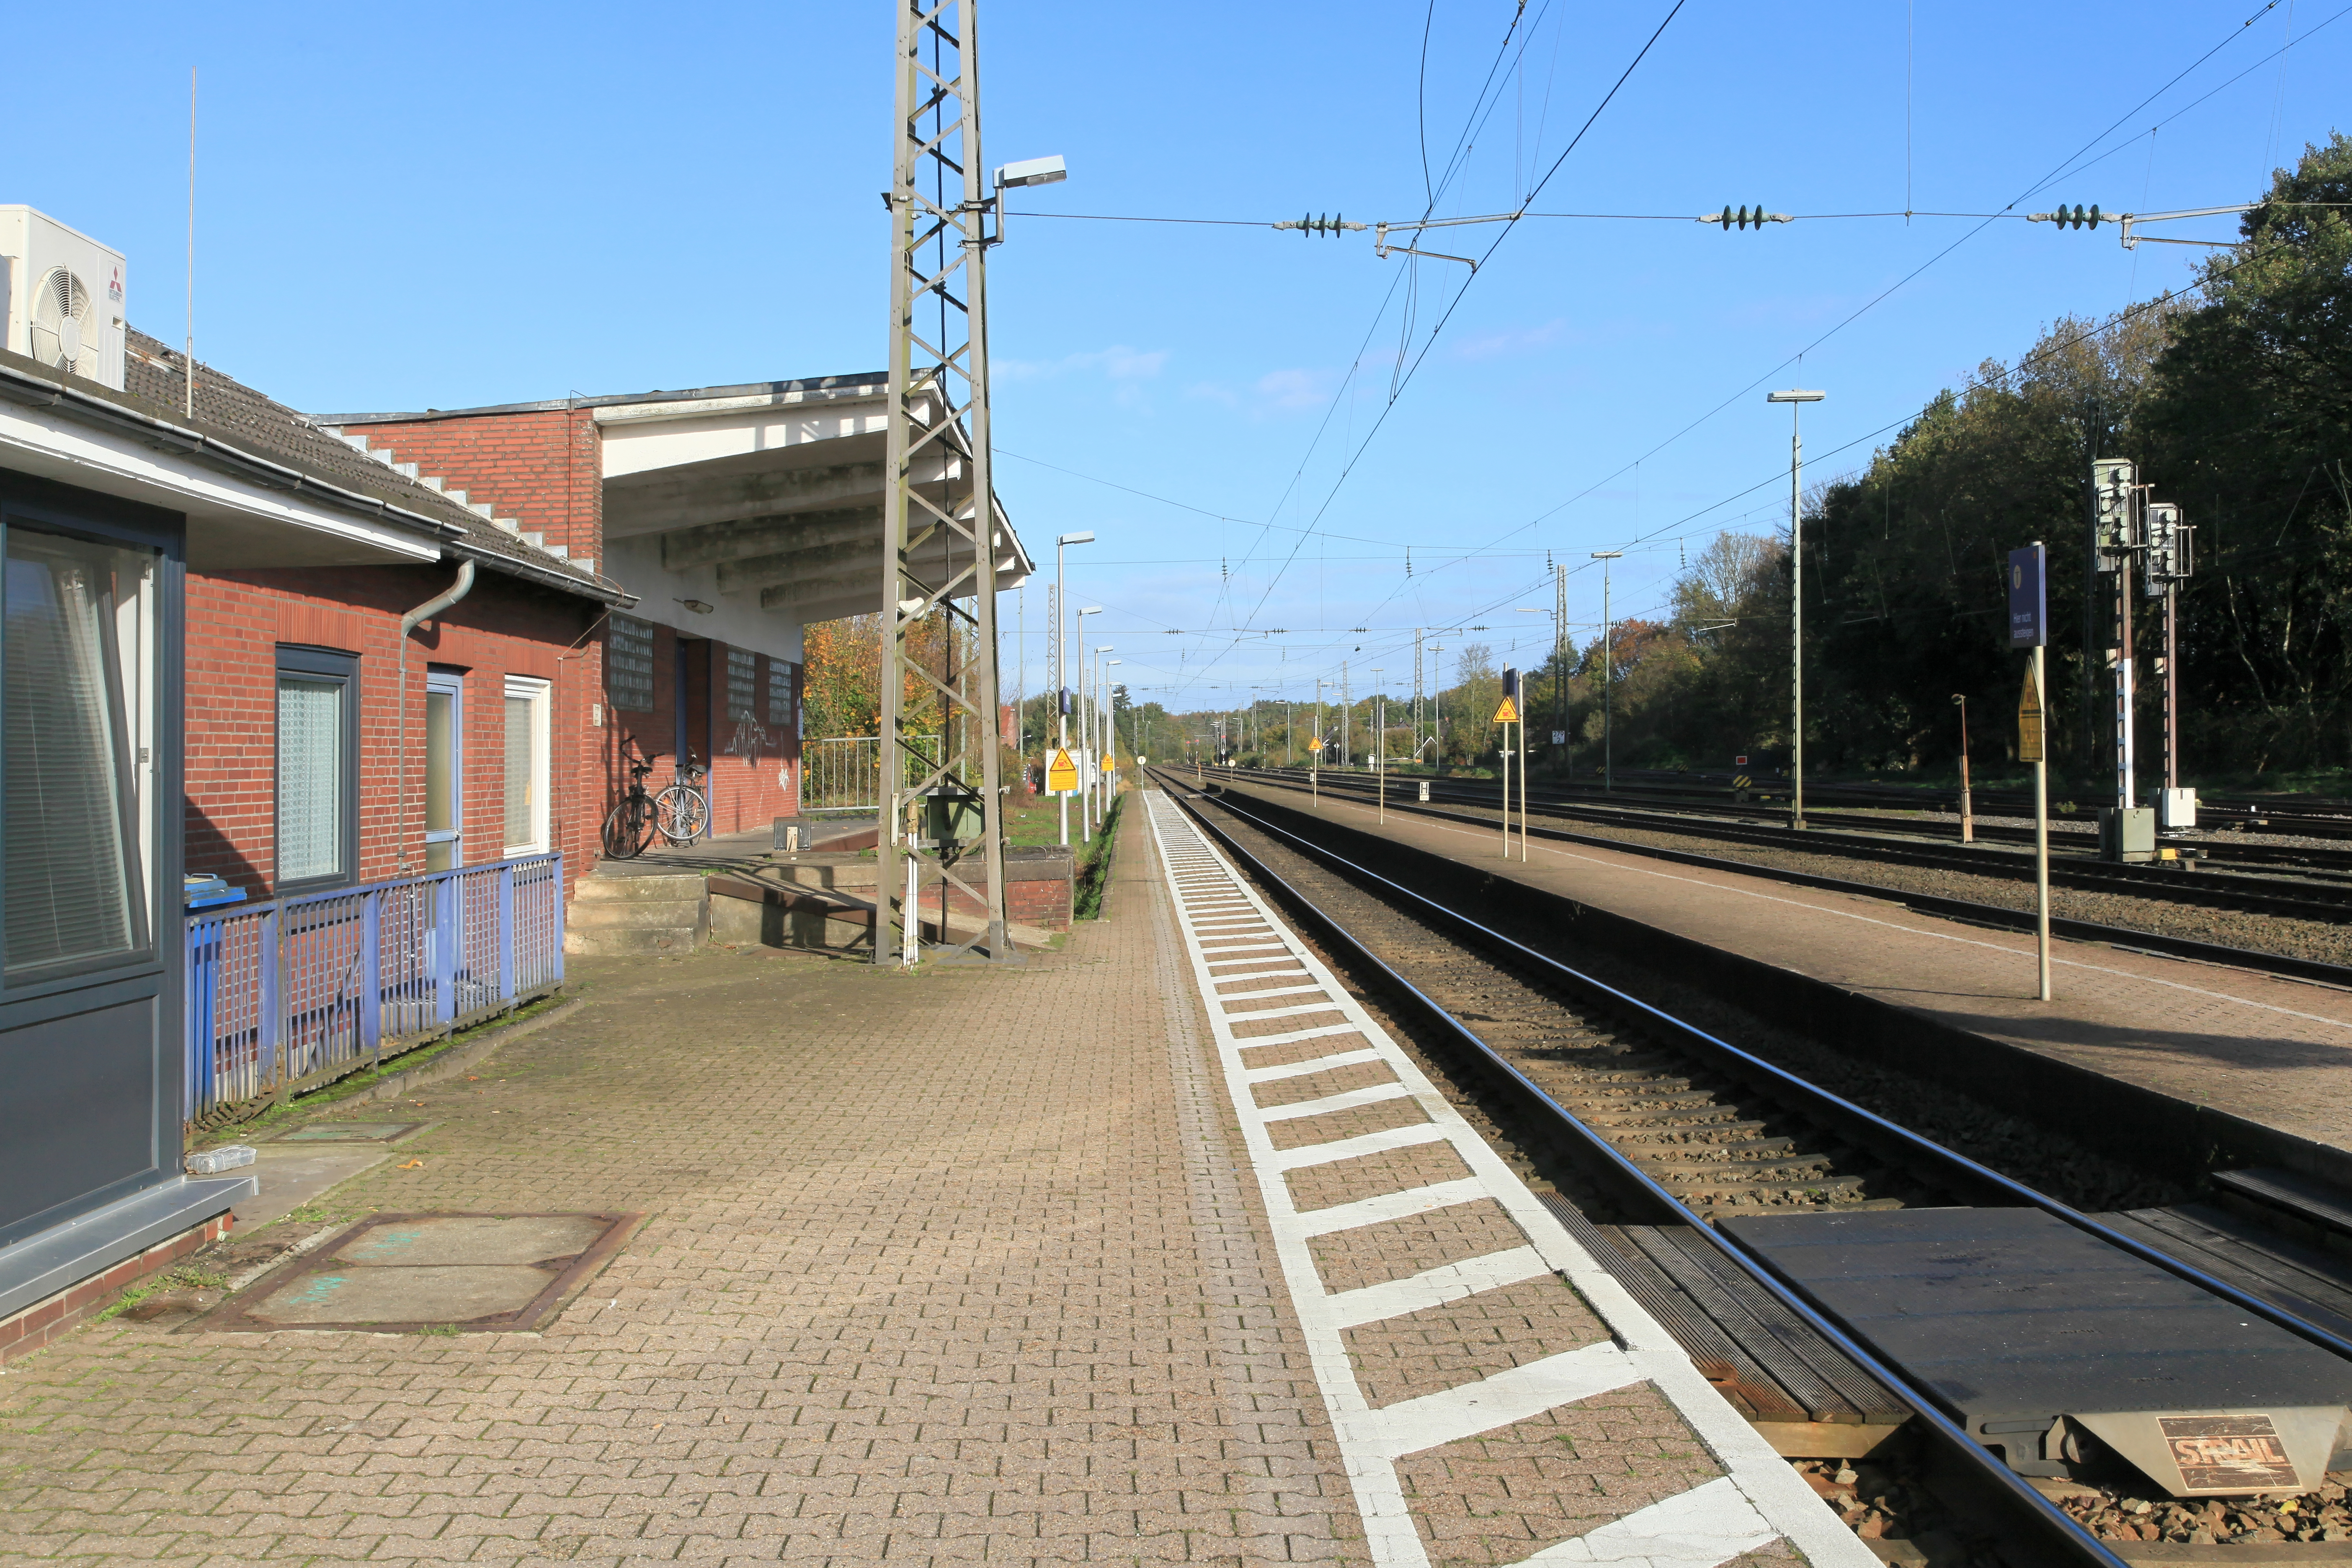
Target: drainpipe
x=409 y=625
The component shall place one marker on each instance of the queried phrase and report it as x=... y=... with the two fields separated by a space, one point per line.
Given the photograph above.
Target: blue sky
x=448 y=205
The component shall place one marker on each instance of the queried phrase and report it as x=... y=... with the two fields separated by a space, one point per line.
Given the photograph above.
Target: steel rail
x=1996 y=915
x=1956 y=1171
x=2063 y=1540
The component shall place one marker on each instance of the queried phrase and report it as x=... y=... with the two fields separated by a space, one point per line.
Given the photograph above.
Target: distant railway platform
x=1027 y=1264
x=2205 y=1051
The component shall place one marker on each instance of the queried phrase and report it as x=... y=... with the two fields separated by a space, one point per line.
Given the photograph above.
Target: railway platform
x=1153 y=1248
x=2210 y=1051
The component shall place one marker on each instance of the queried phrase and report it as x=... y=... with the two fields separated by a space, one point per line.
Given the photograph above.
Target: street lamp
x=1796 y=607
x=1060 y=650
x=1607 y=677
x=1096 y=792
x=1078 y=679
x=1110 y=725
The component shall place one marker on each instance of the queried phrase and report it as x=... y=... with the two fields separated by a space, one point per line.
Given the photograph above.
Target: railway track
x=2314 y=816
x=2301 y=898
x=1671 y=1127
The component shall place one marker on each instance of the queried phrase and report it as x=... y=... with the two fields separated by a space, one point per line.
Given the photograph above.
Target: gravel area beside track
x=2047 y=1161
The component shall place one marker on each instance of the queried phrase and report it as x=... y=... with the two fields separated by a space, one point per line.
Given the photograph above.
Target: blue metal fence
x=293 y=991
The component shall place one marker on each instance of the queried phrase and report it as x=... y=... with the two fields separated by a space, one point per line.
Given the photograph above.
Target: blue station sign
x=2028 y=602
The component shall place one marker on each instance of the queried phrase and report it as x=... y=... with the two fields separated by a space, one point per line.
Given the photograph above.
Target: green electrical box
x=951 y=816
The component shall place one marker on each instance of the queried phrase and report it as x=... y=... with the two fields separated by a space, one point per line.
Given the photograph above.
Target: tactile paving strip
x=1243 y=954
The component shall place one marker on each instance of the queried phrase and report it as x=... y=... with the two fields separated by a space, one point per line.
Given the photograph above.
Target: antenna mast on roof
x=939 y=348
x=189 y=357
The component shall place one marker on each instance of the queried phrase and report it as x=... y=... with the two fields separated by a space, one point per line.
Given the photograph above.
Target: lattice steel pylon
x=940 y=529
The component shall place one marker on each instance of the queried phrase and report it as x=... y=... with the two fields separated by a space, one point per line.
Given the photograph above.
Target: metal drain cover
x=477 y=1273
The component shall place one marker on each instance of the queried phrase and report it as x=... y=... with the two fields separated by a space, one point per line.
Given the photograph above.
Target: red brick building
x=325 y=748
x=735 y=515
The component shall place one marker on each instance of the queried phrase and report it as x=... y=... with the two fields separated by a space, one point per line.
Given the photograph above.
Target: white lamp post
x=1061 y=658
x=1796 y=607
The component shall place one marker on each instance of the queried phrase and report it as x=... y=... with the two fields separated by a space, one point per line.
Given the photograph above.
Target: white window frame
x=540 y=695
x=450 y=683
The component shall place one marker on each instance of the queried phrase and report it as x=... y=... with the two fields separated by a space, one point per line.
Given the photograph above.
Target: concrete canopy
x=781 y=493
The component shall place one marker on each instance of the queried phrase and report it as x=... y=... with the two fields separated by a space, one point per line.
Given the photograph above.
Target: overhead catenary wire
x=2076 y=164
x=2066 y=166
x=1509 y=226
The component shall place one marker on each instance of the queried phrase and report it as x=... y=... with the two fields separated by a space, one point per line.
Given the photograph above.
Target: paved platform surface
x=2273 y=1051
x=964 y=1267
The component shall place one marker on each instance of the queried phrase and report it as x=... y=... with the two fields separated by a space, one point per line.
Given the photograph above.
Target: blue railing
x=295 y=991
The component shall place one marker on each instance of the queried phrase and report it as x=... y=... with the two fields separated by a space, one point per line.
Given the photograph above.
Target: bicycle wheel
x=628 y=829
x=682 y=813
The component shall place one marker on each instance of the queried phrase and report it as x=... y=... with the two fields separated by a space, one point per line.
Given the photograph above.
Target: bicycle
x=682 y=810
x=629 y=825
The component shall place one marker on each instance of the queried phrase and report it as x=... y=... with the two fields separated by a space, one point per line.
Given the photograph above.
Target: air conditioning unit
x=63 y=294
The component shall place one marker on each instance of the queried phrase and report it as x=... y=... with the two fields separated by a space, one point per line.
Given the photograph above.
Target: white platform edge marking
x=1695 y=1530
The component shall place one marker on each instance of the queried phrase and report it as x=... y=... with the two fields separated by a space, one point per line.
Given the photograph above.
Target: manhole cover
x=351 y=1133
x=475 y=1272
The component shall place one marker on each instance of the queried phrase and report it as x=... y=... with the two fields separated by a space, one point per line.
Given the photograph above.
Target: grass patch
x=187 y=1277
x=1093 y=870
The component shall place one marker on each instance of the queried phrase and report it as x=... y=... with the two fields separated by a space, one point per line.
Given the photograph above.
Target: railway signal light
x=2172 y=553
x=2116 y=518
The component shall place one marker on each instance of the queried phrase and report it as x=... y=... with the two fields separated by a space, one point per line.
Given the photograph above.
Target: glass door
x=89 y=852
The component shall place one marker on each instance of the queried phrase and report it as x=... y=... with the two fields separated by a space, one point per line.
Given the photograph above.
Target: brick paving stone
x=1378 y=1117
x=1475 y=1337
x=1496 y=1498
x=1394 y=1171
x=1315 y=1086
x=1394 y=1249
x=959 y=1267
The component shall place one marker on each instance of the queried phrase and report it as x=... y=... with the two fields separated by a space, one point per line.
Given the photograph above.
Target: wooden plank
x=1717 y=1357
x=1814 y=1372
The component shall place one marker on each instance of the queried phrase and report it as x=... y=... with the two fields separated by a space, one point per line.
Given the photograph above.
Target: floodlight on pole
x=1018 y=177
x=1796 y=605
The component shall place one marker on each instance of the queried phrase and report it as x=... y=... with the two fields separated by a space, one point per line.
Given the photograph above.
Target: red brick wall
x=755 y=773
x=235 y=621
x=44 y=1321
x=545 y=470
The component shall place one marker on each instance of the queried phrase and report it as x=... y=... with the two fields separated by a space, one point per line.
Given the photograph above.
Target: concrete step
x=637 y=914
x=628 y=943
x=602 y=888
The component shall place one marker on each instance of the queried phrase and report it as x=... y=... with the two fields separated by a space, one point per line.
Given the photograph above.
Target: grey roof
x=229 y=413
x=862 y=383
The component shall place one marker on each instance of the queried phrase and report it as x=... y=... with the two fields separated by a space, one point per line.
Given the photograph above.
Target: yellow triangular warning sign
x=1314 y=744
x=1508 y=713
x=1061 y=773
